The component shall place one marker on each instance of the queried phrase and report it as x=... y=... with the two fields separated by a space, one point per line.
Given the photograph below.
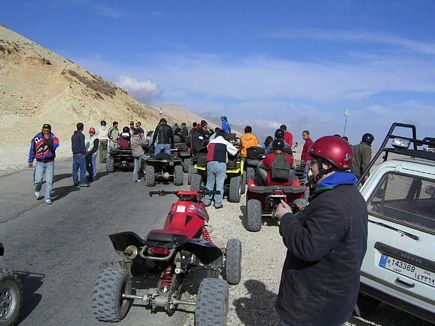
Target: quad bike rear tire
x=110 y=167
x=186 y=165
x=190 y=173
x=107 y=302
x=178 y=175
x=243 y=184
x=11 y=297
x=253 y=215
x=233 y=261
x=250 y=173
x=235 y=189
x=212 y=303
x=150 y=176
x=195 y=182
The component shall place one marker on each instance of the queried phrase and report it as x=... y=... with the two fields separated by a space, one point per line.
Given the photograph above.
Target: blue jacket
x=226 y=126
x=78 y=143
x=43 y=150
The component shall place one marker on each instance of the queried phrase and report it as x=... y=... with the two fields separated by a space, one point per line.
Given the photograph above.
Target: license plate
x=409 y=270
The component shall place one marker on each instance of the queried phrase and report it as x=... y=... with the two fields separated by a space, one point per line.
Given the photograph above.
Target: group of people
x=325 y=242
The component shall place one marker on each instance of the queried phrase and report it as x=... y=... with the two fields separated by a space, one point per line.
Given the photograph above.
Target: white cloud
x=143 y=90
x=355 y=36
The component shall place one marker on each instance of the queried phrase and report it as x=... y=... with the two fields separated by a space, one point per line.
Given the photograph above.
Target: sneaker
x=76 y=184
x=207 y=204
x=84 y=185
x=218 y=206
x=37 y=195
x=48 y=201
x=136 y=181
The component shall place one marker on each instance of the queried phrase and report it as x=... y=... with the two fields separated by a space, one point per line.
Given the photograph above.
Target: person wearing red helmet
x=91 y=154
x=326 y=242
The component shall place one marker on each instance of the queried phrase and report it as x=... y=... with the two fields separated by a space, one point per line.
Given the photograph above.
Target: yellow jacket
x=247 y=141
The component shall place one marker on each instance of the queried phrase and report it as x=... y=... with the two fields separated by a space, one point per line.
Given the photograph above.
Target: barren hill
x=38 y=86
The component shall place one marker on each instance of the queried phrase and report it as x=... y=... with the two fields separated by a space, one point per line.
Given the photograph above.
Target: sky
x=261 y=63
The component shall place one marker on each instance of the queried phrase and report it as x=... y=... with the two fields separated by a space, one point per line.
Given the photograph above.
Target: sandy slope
x=38 y=86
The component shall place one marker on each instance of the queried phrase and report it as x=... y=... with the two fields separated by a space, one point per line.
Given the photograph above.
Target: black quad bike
x=119 y=158
x=235 y=181
x=181 y=250
x=166 y=167
x=11 y=296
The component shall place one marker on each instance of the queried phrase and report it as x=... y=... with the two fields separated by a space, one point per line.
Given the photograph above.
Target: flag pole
x=346 y=114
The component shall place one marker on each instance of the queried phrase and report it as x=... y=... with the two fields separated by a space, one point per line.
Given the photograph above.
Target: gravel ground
x=263 y=254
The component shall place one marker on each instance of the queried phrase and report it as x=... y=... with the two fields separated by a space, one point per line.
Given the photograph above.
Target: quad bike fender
x=206 y=251
x=127 y=245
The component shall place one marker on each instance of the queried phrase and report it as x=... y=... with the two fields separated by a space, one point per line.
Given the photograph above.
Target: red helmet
x=333 y=149
x=92 y=130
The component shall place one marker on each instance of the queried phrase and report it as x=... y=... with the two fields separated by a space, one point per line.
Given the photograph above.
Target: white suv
x=399 y=265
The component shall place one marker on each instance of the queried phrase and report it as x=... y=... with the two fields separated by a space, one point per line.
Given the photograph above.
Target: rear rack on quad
x=400 y=146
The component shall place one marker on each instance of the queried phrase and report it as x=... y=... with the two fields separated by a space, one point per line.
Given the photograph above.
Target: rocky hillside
x=39 y=86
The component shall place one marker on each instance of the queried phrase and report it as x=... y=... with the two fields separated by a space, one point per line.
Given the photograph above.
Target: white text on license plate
x=409 y=270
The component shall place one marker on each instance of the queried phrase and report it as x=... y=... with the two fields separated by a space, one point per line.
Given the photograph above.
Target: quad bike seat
x=163 y=156
x=168 y=237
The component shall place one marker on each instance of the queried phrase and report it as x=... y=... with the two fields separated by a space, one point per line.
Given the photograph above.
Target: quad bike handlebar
x=202 y=192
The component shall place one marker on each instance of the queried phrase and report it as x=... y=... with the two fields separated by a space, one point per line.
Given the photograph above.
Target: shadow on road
x=61 y=192
x=258 y=307
x=30 y=282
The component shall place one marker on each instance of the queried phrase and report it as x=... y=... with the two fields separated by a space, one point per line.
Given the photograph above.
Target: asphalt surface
x=58 y=250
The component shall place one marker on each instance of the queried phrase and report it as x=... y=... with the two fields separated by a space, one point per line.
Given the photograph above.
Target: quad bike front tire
x=253 y=215
x=178 y=175
x=11 y=298
x=110 y=165
x=235 y=189
x=107 y=302
x=190 y=173
x=150 y=176
x=195 y=182
x=186 y=165
x=233 y=261
x=212 y=303
x=243 y=184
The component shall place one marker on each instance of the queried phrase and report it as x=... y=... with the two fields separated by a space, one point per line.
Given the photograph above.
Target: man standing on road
x=326 y=242
x=288 y=136
x=139 y=128
x=102 y=134
x=164 y=137
x=217 y=166
x=91 y=154
x=184 y=130
x=113 y=135
x=137 y=141
x=305 y=156
x=79 y=151
x=362 y=155
x=43 y=150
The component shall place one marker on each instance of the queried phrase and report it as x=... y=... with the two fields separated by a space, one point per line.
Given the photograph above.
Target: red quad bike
x=264 y=200
x=182 y=249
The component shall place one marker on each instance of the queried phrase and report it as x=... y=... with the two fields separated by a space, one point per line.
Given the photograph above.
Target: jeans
x=216 y=172
x=79 y=163
x=94 y=165
x=91 y=165
x=160 y=147
x=102 y=149
x=42 y=169
x=137 y=166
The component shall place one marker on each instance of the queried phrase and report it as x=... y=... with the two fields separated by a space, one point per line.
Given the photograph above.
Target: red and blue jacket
x=43 y=150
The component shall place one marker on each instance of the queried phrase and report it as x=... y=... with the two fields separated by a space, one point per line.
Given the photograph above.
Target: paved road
x=58 y=250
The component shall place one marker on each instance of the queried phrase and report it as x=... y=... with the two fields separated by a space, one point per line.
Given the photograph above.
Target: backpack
x=280 y=168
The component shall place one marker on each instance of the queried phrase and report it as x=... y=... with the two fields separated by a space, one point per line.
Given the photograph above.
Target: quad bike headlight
x=171 y=163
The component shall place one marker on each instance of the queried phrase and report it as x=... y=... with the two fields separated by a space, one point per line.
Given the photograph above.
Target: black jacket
x=78 y=143
x=326 y=244
x=163 y=134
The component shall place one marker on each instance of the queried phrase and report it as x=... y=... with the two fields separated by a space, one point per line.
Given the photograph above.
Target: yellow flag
x=346 y=113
